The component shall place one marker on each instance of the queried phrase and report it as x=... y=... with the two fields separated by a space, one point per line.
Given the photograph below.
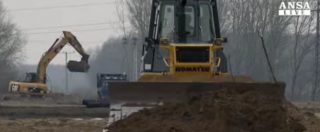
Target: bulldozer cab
x=189 y=22
x=184 y=31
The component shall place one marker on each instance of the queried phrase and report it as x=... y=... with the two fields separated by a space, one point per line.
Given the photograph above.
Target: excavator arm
x=73 y=41
x=73 y=66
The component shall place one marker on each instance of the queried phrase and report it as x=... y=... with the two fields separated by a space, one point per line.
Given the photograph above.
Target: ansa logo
x=294 y=9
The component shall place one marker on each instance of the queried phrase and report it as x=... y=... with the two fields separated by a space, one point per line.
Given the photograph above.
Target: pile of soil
x=227 y=110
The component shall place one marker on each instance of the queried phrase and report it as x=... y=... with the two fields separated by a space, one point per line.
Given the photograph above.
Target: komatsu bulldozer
x=183 y=55
x=35 y=83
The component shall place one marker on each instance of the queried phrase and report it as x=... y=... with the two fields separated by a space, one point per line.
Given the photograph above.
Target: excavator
x=182 y=56
x=35 y=83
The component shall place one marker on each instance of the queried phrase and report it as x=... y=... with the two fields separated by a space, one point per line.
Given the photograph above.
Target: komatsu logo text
x=192 y=69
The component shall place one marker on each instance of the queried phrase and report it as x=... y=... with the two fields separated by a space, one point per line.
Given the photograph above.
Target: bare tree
x=136 y=14
x=121 y=14
x=11 y=42
x=302 y=45
x=248 y=18
x=139 y=15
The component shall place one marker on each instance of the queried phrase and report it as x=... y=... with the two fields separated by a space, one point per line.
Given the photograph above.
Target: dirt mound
x=305 y=117
x=228 y=110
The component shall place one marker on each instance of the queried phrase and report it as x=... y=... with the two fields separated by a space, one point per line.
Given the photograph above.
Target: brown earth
x=228 y=110
x=52 y=125
x=307 y=113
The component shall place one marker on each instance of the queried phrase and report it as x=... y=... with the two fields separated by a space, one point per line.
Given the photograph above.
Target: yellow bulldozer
x=182 y=55
x=35 y=83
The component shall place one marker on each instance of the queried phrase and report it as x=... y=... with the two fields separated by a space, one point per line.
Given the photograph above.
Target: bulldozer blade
x=75 y=66
x=152 y=92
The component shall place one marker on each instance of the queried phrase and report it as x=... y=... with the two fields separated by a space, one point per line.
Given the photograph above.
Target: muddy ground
x=52 y=119
x=57 y=113
x=31 y=115
x=52 y=125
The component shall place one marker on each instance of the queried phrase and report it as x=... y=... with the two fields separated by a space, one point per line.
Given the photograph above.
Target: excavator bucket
x=75 y=66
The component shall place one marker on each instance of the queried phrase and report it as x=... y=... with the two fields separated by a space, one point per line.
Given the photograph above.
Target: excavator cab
x=31 y=77
x=183 y=55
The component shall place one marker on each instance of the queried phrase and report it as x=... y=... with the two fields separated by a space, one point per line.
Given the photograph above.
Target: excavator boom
x=37 y=85
x=58 y=45
x=74 y=66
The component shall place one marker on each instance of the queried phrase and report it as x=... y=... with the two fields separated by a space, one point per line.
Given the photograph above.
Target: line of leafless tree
x=11 y=43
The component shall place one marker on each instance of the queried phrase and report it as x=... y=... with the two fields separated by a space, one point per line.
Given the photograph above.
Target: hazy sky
x=92 y=21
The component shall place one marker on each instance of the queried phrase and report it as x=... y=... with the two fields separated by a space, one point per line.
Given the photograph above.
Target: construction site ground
x=29 y=115
x=51 y=114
